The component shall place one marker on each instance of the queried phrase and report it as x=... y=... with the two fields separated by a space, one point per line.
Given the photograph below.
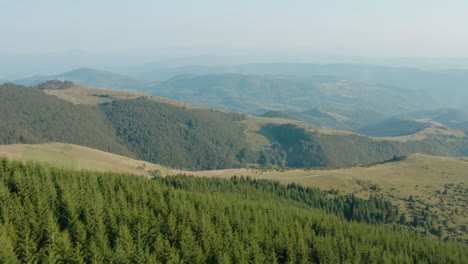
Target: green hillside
x=298 y=146
x=31 y=116
x=184 y=136
x=177 y=136
x=394 y=127
x=55 y=215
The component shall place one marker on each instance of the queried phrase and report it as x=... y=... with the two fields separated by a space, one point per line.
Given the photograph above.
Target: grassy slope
x=80 y=158
x=85 y=95
x=422 y=176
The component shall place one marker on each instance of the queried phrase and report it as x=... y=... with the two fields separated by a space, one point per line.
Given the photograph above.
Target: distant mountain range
x=449 y=87
x=91 y=77
x=339 y=96
x=319 y=100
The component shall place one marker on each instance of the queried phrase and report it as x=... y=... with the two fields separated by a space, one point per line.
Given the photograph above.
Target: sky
x=429 y=28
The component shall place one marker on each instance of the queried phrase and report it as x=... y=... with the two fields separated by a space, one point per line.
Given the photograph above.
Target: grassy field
x=91 y=96
x=419 y=182
x=81 y=158
x=79 y=94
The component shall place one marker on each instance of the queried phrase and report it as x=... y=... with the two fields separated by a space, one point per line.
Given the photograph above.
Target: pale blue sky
x=347 y=27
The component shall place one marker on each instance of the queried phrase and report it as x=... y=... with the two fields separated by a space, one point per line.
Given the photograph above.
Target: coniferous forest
x=50 y=215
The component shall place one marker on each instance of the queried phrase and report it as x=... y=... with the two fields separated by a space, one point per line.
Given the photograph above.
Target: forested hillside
x=28 y=115
x=178 y=135
x=55 y=215
x=394 y=127
x=300 y=147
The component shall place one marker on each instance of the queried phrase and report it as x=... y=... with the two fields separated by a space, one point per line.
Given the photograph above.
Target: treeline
x=375 y=210
x=50 y=215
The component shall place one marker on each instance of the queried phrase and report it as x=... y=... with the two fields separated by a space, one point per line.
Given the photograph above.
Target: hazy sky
x=433 y=28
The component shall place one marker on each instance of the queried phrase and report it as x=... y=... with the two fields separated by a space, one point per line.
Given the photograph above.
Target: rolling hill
x=448 y=86
x=245 y=93
x=76 y=157
x=451 y=117
x=334 y=118
x=395 y=127
x=190 y=137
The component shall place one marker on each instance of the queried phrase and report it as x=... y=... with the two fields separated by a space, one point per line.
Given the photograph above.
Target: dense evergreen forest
x=50 y=215
x=297 y=147
x=169 y=134
x=192 y=138
x=28 y=115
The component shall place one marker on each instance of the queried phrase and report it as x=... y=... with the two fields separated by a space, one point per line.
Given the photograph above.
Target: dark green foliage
x=311 y=149
x=52 y=215
x=28 y=115
x=393 y=127
x=374 y=210
x=178 y=137
x=301 y=149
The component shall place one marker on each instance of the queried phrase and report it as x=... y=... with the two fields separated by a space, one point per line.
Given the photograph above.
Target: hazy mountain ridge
x=290 y=93
x=456 y=118
x=448 y=86
x=91 y=77
x=344 y=104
